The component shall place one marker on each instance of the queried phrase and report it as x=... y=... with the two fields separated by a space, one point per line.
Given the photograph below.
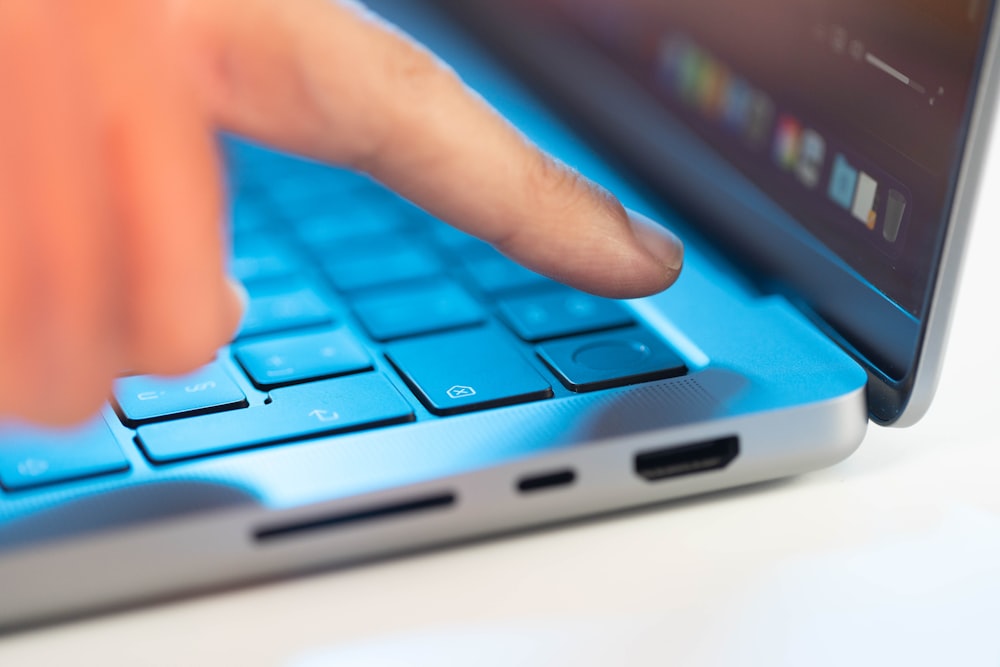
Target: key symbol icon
x=33 y=467
x=460 y=391
x=325 y=415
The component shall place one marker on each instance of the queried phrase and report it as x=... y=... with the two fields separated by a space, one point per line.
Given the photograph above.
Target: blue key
x=376 y=214
x=468 y=370
x=291 y=304
x=563 y=312
x=328 y=229
x=293 y=359
x=31 y=457
x=248 y=215
x=313 y=192
x=382 y=267
x=611 y=359
x=496 y=274
x=460 y=243
x=295 y=413
x=263 y=257
x=425 y=308
x=144 y=398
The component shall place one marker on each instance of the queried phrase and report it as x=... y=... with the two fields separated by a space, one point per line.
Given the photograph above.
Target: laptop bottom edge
x=112 y=568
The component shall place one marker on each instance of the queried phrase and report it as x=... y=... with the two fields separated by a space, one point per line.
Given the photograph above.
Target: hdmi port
x=687 y=459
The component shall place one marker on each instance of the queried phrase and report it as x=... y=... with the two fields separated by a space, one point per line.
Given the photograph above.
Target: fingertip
x=660 y=243
x=237 y=303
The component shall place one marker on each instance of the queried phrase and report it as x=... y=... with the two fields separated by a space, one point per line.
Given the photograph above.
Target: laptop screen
x=849 y=113
x=822 y=139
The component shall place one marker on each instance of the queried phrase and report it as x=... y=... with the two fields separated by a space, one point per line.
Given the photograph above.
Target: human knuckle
x=411 y=88
x=413 y=72
x=554 y=186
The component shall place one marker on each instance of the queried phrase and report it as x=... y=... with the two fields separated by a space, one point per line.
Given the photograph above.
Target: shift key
x=465 y=371
x=295 y=413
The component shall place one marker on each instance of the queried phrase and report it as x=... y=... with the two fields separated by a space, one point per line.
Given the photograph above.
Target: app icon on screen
x=760 y=115
x=737 y=104
x=688 y=76
x=711 y=82
x=843 y=180
x=787 y=137
x=812 y=152
x=863 y=207
x=895 y=207
x=668 y=64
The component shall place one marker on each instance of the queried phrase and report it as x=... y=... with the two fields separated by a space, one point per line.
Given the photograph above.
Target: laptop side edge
x=932 y=351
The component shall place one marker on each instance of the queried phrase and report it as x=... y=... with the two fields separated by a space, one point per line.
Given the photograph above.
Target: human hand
x=111 y=253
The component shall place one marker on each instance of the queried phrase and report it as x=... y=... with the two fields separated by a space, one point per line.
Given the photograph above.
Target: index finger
x=330 y=80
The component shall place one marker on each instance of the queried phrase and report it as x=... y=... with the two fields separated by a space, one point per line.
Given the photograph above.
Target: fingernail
x=241 y=297
x=239 y=291
x=660 y=242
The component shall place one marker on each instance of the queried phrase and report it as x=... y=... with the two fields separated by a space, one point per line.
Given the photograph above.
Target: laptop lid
x=832 y=147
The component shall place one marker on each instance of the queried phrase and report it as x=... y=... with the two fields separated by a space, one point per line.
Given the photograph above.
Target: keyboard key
x=295 y=413
x=145 y=398
x=31 y=457
x=377 y=214
x=293 y=359
x=283 y=306
x=465 y=371
x=248 y=215
x=420 y=309
x=612 y=359
x=382 y=267
x=563 y=312
x=330 y=229
x=496 y=274
x=318 y=190
x=457 y=241
x=263 y=257
x=360 y=246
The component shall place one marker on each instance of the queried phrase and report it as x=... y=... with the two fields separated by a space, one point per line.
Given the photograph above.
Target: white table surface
x=891 y=558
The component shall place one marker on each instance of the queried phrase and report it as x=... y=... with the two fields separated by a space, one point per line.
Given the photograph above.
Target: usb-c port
x=688 y=459
x=547 y=480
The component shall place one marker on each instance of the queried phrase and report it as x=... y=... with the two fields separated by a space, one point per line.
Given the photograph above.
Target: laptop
x=397 y=385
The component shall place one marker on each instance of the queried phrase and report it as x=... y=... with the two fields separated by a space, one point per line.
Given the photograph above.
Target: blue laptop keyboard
x=364 y=312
